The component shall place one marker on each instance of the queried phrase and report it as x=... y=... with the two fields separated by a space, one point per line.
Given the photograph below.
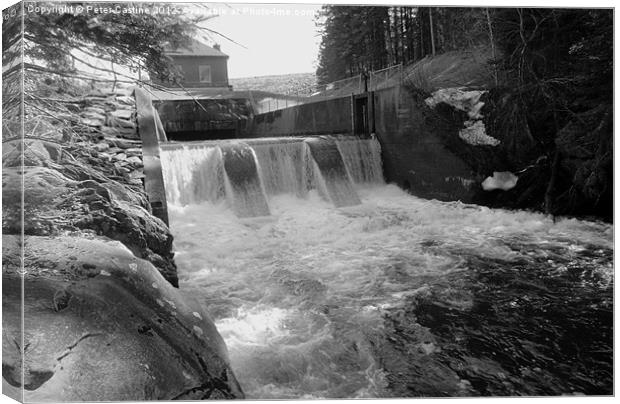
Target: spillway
x=247 y=172
x=242 y=179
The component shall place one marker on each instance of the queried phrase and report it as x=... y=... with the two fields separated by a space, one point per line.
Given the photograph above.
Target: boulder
x=123 y=143
x=116 y=122
x=127 y=100
x=41 y=188
x=103 y=325
x=34 y=152
x=121 y=132
x=92 y=122
x=95 y=110
x=54 y=203
x=125 y=114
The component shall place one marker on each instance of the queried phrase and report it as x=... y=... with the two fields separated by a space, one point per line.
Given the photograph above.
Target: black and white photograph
x=307 y=201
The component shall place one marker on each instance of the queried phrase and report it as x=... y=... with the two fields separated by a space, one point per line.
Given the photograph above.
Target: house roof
x=195 y=48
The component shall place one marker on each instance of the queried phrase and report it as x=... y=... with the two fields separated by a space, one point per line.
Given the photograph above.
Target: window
x=204 y=73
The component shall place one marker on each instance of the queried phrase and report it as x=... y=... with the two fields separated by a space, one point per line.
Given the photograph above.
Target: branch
x=222 y=35
x=112 y=59
x=104 y=69
x=29 y=66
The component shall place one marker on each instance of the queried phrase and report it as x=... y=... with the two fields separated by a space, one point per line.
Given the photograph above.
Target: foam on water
x=300 y=296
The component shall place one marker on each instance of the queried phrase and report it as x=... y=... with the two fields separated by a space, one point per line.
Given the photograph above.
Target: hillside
x=302 y=84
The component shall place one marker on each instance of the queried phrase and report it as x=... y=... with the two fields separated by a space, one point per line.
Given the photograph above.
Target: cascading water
x=193 y=174
x=396 y=296
x=245 y=172
x=331 y=173
x=284 y=166
x=242 y=180
x=362 y=157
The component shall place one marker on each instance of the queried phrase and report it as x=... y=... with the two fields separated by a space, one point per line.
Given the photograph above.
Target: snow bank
x=474 y=132
x=467 y=101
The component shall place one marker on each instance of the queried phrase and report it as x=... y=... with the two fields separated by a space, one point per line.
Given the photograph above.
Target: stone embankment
x=102 y=317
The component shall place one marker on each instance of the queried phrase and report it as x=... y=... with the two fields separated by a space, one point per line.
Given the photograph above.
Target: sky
x=276 y=38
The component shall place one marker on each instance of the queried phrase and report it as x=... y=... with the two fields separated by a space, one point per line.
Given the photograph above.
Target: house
x=200 y=65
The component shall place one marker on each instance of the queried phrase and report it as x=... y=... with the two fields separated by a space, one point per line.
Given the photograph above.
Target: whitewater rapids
x=401 y=296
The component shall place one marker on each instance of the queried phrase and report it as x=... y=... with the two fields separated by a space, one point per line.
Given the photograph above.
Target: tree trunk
x=430 y=19
x=421 y=23
x=492 y=47
x=551 y=184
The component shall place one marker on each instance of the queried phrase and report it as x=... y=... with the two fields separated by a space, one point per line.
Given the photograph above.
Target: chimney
x=217 y=46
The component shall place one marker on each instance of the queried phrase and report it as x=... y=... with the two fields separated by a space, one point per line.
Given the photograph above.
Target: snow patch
x=474 y=132
x=466 y=101
x=503 y=180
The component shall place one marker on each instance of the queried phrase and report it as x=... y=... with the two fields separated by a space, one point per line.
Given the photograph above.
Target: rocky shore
x=102 y=317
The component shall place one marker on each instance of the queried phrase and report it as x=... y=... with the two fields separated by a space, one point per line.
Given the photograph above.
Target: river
x=400 y=296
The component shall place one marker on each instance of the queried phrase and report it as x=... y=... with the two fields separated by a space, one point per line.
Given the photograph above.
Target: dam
x=328 y=281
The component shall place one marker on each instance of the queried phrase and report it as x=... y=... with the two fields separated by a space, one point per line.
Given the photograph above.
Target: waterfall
x=362 y=157
x=192 y=174
x=243 y=181
x=246 y=173
x=333 y=178
x=284 y=166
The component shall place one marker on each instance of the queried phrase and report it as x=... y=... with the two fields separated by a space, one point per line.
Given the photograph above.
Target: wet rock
x=134 y=160
x=122 y=114
x=119 y=122
x=92 y=122
x=127 y=100
x=54 y=203
x=122 y=132
x=100 y=147
x=40 y=185
x=94 y=330
x=94 y=110
x=123 y=143
x=94 y=115
x=120 y=156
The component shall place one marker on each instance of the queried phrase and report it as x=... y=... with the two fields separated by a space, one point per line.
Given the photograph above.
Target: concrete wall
x=322 y=117
x=414 y=157
x=204 y=119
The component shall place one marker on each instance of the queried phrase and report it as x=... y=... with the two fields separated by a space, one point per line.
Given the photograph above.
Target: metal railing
x=388 y=77
x=384 y=78
x=274 y=104
x=350 y=85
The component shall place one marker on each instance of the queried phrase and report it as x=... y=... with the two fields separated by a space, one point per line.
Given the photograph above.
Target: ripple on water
x=402 y=296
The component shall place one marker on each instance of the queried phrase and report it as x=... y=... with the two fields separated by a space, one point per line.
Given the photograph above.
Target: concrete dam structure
x=413 y=156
